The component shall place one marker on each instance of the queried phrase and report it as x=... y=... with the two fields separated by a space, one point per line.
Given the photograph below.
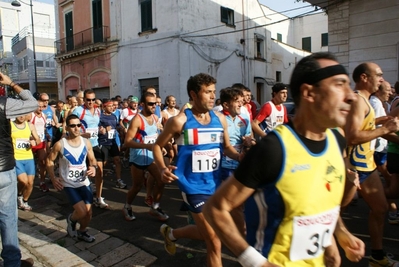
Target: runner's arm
x=34 y=133
x=354 y=134
x=229 y=150
x=173 y=128
x=92 y=159
x=131 y=133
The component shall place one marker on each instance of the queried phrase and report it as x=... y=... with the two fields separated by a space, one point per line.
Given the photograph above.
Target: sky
x=284 y=5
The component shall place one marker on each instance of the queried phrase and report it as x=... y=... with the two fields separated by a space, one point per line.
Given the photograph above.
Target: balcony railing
x=82 y=39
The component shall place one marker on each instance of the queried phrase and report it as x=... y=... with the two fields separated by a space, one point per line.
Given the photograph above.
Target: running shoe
x=99 y=202
x=169 y=244
x=385 y=262
x=25 y=206
x=120 y=184
x=158 y=212
x=20 y=201
x=149 y=201
x=71 y=227
x=128 y=213
x=43 y=187
x=84 y=236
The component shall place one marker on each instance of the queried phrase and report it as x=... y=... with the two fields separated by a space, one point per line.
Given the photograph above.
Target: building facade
x=17 y=57
x=84 y=48
x=362 y=31
x=163 y=43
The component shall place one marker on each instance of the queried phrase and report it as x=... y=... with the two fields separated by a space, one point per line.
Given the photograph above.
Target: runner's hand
x=167 y=176
x=57 y=183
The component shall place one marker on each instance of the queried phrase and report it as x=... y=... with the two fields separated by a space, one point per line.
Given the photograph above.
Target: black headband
x=324 y=73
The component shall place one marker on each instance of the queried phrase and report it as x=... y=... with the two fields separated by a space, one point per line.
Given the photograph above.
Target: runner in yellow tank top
x=360 y=131
x=24 y=136
x=285 y=175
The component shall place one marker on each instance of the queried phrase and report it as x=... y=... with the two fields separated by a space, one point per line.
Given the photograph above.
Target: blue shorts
x=25 y=166
x=380 y=158
x=194 y=203
x=363 y=175
x=78 y=194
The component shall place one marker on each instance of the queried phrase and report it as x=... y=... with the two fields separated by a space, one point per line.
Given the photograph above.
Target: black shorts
x=393 y=162
x=140 y=167
x=103 y=153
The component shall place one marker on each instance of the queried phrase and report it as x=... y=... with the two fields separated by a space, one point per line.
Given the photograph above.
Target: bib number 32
x=312 y=234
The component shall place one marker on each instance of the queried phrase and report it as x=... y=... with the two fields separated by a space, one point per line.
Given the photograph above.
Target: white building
x=16 y=45
x=361 y=31
x=163 y=43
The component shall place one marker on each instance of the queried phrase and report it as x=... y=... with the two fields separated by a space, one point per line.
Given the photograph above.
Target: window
x=307 y=44
x=227 y=15
x=26 y=63
x=259 y=47
x=146 y=15
x=97 y=21
x=69 y=31
x=279 y=37
x=20 y=65
x=40 y=63
x=153 y=82
x=278 y=76
x=324 y=39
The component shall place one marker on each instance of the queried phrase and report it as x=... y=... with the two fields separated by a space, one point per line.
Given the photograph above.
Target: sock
x=128 y=206
x=170 y=235
x=155 y=206
x=20 y=195
x=377 y=254
x=25 y=201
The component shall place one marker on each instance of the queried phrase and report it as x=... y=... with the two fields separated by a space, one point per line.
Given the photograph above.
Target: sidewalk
x=43 y=237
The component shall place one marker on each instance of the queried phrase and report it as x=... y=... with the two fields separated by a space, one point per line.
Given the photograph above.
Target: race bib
x=22 y=144
x=48 y=122
x=41 y=135
x=111 y=134
x=93 y=132
x=312 y=234
x=150 y=139
x=206 y=160
x=77 y=174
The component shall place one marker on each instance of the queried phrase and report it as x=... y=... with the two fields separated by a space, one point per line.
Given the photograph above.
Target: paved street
x=143 y=233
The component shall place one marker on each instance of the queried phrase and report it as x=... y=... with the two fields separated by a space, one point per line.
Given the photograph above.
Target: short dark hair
x=195 y=82
x=240 y=86
x=145 y=95
x=359 y=70
x=303 y=69
x=71 y=117
x=228 y=94
x=88 y=92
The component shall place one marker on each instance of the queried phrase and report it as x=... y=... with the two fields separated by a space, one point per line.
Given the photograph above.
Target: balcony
x=84 y=42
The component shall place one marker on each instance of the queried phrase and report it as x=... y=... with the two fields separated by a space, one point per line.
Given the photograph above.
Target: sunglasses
x=151 y=103
x=90 y=99
x=74 y=125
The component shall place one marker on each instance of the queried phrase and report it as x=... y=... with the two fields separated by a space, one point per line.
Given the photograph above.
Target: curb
x=45 y=237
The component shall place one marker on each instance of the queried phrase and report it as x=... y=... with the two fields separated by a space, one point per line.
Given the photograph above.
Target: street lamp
x=18 y=4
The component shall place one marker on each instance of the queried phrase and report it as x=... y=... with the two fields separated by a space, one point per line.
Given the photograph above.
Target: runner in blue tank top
x=202 y=138
x=140 y=138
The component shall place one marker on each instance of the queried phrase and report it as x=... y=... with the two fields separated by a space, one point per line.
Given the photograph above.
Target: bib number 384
x=312 y=234
x=206 y=160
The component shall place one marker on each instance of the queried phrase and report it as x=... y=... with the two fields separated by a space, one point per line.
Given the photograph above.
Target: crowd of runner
x=242 y=184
